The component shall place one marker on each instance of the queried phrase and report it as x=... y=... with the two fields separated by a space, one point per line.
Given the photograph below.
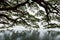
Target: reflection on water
x=29 y=35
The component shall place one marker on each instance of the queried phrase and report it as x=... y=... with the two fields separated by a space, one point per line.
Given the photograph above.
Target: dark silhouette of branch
x=3 y=15
x=47 y=6
x=3 y=22
x=13 y=8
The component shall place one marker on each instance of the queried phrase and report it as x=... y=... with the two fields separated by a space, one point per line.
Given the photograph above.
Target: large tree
x=15 y=12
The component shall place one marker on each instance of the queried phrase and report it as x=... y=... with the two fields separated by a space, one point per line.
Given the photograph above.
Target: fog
x=30 y=35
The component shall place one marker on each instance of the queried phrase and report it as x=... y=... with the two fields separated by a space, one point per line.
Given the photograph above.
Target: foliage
x=22 y=12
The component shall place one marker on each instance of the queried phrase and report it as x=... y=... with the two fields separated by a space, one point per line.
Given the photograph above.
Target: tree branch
x=3 y=15
x=13 y=8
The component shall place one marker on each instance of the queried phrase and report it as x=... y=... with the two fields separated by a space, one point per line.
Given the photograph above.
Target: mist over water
x=29 y=35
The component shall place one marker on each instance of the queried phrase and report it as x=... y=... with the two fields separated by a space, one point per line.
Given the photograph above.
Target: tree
x=18 y=9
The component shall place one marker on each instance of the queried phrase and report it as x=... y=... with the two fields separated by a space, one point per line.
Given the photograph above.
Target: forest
x=29 y=19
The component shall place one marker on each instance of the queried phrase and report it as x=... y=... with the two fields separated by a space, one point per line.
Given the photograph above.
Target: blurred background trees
x=30 y=13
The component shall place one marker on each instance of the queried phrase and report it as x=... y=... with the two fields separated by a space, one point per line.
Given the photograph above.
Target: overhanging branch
x=47 y=6
x=13 y=8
